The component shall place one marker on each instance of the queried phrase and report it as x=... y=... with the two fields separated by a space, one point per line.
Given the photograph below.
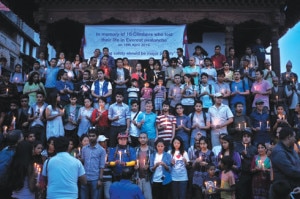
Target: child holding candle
x=227 y=187
x=211 y=177
x=146 y=94
x=261 y=169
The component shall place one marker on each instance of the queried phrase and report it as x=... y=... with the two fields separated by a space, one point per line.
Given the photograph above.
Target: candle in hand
x=120 y=156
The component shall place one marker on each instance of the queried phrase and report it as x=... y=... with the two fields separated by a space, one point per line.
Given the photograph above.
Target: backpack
x=204 y=118
x=209 y=88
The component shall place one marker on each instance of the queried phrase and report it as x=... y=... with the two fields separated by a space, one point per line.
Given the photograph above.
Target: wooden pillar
x=41 y=18
x=43 y=38
x=275 y=53
x=228 y=38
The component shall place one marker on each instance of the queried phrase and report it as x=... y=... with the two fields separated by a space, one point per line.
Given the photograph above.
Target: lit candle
x=70 y=74
x=144 y=162
x=181 y=122
x=129 y=70
x=74 y=154
x=245 y=146
x=246 y=69
x=5 y=128
x=105 y=157
x=174 y=92
x=263 y=166
x=259 y=124
x=232 y=63
x=235 y=87
x=7 y=91
x=298 y=143
x=137 y=162
x=79 y=150
x=214 y=63
x=293 y=81
x=120 y=156
x=270 y=68
x=154 y=78
x=239 y=126
x=277 y=98
x=84 y=88
x=245 y=125
x=283 y=117
x=215 y=183
x=267 y=124
x=14 y=122
x=39 y=173
x=144 y=117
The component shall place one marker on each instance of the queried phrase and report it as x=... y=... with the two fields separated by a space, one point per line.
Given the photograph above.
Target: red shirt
x=218 y=60
x=103 y=121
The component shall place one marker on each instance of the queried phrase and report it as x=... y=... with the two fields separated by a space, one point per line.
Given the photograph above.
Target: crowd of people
x=196 y=127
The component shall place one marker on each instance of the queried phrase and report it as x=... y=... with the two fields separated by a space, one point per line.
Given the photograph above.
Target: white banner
x=134 y=41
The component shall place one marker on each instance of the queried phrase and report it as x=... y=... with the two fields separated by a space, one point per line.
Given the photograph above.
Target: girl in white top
x=179 y=175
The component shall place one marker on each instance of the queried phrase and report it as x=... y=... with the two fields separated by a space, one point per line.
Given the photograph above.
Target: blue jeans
x=90 y=189
x=179 y=189
x=106 y=186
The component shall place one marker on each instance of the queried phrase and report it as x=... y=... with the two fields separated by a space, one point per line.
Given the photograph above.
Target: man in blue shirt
x=93 y=159
x=125 y=189
x=51 y=76
x=147 y=123
x=119 y=115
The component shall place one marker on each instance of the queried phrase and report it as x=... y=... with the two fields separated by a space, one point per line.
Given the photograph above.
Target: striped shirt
x=168 y=120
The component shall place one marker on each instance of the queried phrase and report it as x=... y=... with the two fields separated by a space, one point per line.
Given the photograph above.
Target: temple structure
x=242 y=21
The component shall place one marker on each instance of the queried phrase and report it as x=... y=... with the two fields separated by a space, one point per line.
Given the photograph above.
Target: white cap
x=101 y=138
